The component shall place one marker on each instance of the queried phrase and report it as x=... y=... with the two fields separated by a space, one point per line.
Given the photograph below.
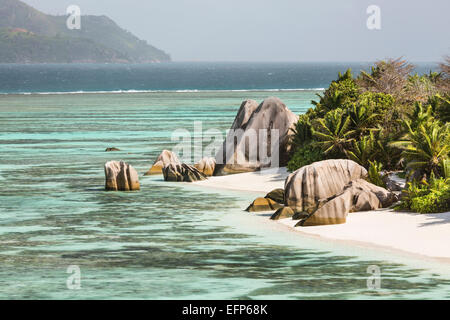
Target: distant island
x=30 y=36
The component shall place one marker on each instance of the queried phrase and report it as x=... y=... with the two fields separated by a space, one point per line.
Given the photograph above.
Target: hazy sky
x=278 y=30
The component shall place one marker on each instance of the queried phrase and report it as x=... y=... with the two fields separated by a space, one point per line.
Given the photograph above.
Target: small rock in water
x=111 y=149
x=120 y=176
x=182 y=173
x=206 y=165
x=164 y=159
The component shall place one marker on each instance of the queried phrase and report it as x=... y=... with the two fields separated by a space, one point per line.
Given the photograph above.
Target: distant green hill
x=30 y=36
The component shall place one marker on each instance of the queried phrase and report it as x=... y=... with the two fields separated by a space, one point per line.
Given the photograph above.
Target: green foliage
x=304 y=156
x=441 y=106
x=446 y=168
x=421 y=116
x=374 y=174
x=402 y=174
x=333 y=132
x=28 y=35
x=377 y=101
x=425 y=145
x=382 y=105
x=363 y=119
x=342 y=93
x=423 y=197
x=385 y=118
x=302 y=131
x=388 y=155
x=28 y=47
x=363 y=151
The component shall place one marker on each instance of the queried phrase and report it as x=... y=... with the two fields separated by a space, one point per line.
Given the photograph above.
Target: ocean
x=169 y=240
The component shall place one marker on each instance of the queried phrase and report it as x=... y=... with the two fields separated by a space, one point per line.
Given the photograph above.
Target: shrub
x=302 y=131
x=364 y=150
x=333 y=133
x=441 y=107
x=342 y=93
x=374 y=174
x=304 y=156
x=423 y=197
x=388 y=115
x=425 y=147
x=434 y=202
x=376 y=101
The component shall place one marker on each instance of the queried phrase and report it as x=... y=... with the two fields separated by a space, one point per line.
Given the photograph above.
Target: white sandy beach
x=262 y=181
x=427 y=235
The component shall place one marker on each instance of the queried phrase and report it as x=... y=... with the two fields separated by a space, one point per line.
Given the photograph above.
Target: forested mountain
x=30 y=36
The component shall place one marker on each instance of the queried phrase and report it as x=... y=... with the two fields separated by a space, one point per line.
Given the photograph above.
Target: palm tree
x=302 y=131
x=333 y=132
x=441 y=107
x=446 y=168
x=421 y=115
x=364 y=150
x=387 y=154
x=362 y=118
x=425 y=148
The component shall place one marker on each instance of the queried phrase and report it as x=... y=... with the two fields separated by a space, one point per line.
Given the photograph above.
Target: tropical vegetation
x=387 y=119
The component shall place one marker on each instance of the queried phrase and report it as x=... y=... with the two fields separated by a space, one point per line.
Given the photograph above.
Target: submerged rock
x=121 y=176
x=263 y=204
x=164 y=159
x=249 y=141
x=206 y=165
x=182 y=173
x=282 y=213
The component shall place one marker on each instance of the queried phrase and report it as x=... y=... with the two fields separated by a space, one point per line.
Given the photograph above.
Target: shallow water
x=168 y=241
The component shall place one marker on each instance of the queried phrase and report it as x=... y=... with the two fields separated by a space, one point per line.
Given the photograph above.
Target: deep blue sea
x=174 y=76
x=169 y=240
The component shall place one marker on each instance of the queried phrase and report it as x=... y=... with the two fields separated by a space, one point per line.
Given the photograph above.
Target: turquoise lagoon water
x=168 y=241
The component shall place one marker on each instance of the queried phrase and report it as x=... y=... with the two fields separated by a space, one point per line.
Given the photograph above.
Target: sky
x=278 y=30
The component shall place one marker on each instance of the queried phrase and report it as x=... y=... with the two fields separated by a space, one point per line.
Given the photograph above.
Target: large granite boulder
x=206 y=165
x=182 y=173
x=120 y=176
x=164 y=159
x=248 y=146
x=320 y=180
x=357 y=195
x=244 y=114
